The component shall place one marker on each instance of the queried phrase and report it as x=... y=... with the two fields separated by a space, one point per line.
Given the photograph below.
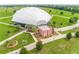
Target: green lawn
x=7 y=20
x=61 y=46
x=23 y=40
x=8 y=11
x=57 y=12
x=59 y=22
x=4 y=29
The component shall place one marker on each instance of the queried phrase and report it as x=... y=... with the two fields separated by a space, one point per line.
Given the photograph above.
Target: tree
x=61 y=13
x=72 y=13
x=39 y=45
x=54 y=22
x=72 y=20
x=14 y=11
x=23 y=51
x=50 y=11
x=69 y=36
x=77 y=34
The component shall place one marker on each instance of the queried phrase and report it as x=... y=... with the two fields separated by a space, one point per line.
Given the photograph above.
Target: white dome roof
x=31 y=15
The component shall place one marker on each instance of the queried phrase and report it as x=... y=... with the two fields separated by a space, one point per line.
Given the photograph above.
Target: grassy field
x=61 y=20
x=7 y=20
x=23 y=40
x=57 y=12
x=8 y=11
x=7 y=31
x=61 y=46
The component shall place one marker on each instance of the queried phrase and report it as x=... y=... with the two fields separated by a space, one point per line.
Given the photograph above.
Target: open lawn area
x=61 y=46
x=7 y=31
x=7 y=20
x=22 y=40
x=8 y=11
x=60 y=20
x=58 y=12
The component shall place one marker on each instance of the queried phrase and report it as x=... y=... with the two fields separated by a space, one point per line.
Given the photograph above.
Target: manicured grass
x=61 y=46
x=8 y=11
x=7 y=31
x=57 y=12
x=23 y=40
x=6 y=20
x=59 y=22
x=70 y=31
x=4 y=11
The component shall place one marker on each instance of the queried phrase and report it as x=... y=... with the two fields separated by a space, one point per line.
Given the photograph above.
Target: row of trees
x=68 y=8
x=69 y=35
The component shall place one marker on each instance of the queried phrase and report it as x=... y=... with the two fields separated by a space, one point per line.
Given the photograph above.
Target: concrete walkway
x=34 y=37
x=67 y=28
x=55 y=38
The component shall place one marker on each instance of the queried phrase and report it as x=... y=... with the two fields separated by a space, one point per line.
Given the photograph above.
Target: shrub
x=77 y=34
x=61 y=13
x=69 y=36
x=50 y=11
x=23 y=51
x=72 y=20
x=39 y=45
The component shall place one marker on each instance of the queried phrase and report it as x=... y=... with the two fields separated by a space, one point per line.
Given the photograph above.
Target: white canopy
x=31 y=15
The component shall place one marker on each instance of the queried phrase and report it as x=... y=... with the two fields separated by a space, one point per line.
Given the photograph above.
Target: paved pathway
x=55 y=38
x=67 y=28
x=34 y=37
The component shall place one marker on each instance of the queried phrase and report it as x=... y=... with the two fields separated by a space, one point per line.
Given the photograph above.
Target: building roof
x=31 y=15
